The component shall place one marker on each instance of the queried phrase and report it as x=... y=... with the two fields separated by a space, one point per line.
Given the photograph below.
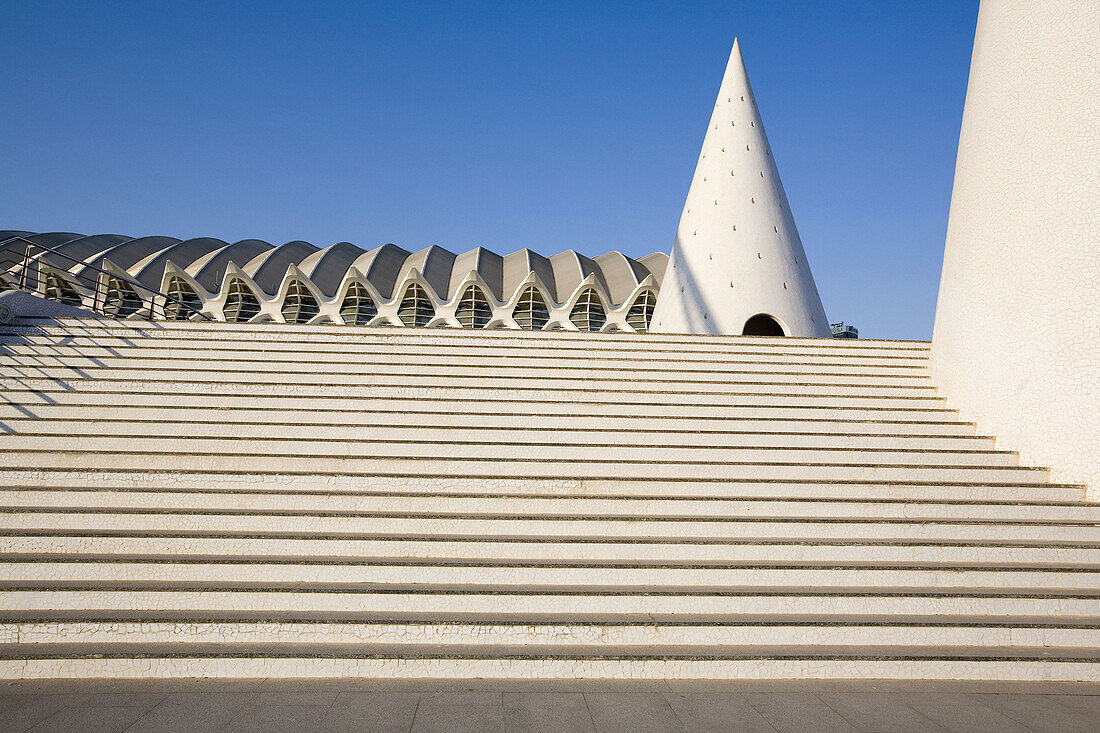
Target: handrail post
x=26 y=267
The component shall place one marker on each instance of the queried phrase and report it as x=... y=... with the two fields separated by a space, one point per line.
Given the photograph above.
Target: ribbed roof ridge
x=269 y=268
x=209 y=270
x=487 y=264
x=327 y=267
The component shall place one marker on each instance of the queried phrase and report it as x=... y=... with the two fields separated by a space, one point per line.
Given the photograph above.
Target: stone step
x=593 y=380
x=790 y=466
x=346 y=372
x=726 y=487
x=76 y=351
x=443 y=339
x=186 y=499
x=460 y=351
x=214 y=546
x=32 y=619
x=518 y=505
x=136 y=434
x=528 y=393
x=57 y=420
x=50 y=599
x=518 y=574
x=829 y=449
x=976 y=633
x=481 y=339
x=28 y=400
x=1050 y=664
x=441 y=525
x=465 y=346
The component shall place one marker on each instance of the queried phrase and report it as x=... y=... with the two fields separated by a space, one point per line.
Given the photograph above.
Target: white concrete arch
x=449 y=309
x=622 y=314
x=406 y=295
x=236 y=286
x=352 y=282
x=296 y=286
x=532 y=281
x=594 y=302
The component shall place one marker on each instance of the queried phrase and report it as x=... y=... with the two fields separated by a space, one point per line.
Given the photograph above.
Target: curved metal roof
x=206 y=260
x=209 y=270
x=268 y=269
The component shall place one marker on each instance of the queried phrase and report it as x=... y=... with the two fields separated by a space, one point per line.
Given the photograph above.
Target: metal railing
x=110 y=293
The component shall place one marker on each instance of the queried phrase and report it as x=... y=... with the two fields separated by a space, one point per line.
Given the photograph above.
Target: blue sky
x=507 y=125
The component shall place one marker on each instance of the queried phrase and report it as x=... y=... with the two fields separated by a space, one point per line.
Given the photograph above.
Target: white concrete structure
x=737 y=253
x=1017 y=336
x=270 y=500
x=252 y=281
x=210 y=499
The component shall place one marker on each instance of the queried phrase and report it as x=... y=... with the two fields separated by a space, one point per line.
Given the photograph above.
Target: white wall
x=1016 y=345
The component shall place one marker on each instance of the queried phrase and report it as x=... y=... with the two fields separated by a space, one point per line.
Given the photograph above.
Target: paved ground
x=269 y=706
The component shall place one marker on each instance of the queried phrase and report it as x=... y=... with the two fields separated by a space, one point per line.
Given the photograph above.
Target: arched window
x=762 y=325
x=358 y=307
x=474 y=310
x=299 y=306
x=641 y=313
x=531 y=313
x=121 y=300
x=240 y=303
x=182 y=292
x=59 y=289
x=416 y=308
x=588 y=314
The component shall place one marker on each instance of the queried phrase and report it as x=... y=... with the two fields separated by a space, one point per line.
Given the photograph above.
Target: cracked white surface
x=535 y=669
x=588 y=569
x=565 y=603
x=490 y=635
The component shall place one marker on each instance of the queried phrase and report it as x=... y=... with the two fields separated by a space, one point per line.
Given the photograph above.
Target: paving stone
x=192 y=712
x=278 y=719
x=371 y=712
x=1084 y=703
x=88 y=719
x=970 y=718
x=143 y=700
x=454 y=712
x=20 y=712
x=799 y=708
x=880 y=712
x=717 y=711
x=286 y=698
x=1042 y=712
x=632 y=712
x=799 y=712
x=556 y=712
x=920 y=697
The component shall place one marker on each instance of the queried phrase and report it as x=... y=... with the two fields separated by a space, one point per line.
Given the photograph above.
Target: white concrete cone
x=737 y=253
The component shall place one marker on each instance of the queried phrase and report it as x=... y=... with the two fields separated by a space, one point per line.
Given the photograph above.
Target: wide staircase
x=190 y=500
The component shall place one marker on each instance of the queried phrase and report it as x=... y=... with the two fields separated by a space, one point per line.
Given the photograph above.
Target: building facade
x=252 y=281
